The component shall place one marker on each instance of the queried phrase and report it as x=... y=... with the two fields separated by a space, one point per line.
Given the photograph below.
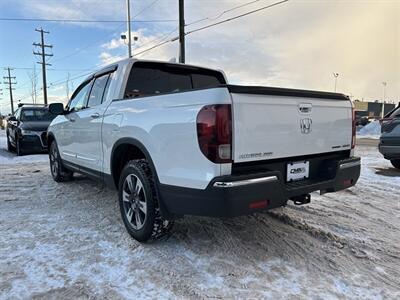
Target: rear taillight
x=214 y=132
x=353 y=134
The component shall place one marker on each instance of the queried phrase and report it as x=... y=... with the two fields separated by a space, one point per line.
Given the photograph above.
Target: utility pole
x=9 y=80
x=128 y=21
x=43 y=54
x=181 y=32
x=336 y=75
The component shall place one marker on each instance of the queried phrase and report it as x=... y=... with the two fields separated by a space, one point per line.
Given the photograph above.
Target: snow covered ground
x=67 y=241
x=10 y=158
x=371 y=130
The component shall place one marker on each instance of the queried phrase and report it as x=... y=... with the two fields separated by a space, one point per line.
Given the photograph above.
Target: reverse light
x=214 y=132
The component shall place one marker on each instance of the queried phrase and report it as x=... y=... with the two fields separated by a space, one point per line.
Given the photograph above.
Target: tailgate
x=271 y=123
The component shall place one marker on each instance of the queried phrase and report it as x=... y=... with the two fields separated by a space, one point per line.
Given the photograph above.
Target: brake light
x=353 y=135
x=214 y=132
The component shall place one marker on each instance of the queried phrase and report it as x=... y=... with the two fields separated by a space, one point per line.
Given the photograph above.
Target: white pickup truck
x=176 y=140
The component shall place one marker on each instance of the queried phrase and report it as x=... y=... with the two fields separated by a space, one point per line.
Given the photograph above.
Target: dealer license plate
x=298 y=170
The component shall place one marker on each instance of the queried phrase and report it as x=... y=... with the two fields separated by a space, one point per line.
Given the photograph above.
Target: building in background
x=372 y=109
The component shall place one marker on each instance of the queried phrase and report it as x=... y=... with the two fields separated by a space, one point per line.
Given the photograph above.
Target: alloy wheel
x=54 y=161
x=134 y=200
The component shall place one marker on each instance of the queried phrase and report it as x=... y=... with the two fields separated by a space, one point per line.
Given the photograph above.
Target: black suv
x=27 y=129
x=389 y=144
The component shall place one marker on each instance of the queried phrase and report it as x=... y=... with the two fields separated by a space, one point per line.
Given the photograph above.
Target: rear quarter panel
x=166 y=126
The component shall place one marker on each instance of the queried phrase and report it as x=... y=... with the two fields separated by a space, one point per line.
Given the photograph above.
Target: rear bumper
x=230 y=196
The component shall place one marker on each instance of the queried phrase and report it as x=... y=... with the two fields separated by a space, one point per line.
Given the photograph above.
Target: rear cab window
x=146 y=79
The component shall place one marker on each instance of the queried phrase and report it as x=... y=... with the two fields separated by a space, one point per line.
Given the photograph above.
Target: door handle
x=72 y=119
x=95 y=115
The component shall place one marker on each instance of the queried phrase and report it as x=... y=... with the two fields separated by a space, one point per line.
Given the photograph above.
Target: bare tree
x=33 y=76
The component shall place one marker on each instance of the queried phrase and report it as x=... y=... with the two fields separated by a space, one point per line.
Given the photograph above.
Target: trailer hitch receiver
x=302 y=199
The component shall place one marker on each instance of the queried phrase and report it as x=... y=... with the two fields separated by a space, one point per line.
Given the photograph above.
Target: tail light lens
x=214 y=132
x=353 y=135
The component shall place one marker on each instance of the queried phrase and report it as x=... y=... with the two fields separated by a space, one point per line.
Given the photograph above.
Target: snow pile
x=372 y=130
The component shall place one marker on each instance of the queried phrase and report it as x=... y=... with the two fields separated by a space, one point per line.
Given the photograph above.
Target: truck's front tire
x=396 y=163
x=58 y=172
x=139 y=204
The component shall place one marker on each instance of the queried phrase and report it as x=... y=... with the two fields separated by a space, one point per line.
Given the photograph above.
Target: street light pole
x=384 y=98
x=128 y=21
x=336 y=75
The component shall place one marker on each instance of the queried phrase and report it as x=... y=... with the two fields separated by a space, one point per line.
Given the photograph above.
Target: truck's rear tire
x=396 y=163
x=138 y=203
x=58 y=172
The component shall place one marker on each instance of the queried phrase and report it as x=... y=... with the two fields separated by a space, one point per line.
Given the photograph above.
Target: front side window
x=157 y=78
x=97 y=92
x=79 y=99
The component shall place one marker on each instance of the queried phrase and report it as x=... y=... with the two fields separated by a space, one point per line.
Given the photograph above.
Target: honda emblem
x=306 y=125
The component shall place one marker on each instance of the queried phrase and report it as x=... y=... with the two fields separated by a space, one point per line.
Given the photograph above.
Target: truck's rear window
x=160 y=78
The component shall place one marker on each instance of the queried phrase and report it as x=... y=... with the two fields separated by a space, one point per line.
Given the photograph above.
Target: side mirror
x=12 y=118
x=56 y=108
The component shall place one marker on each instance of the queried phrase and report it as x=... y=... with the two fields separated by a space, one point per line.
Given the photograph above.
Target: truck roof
x=127 y=61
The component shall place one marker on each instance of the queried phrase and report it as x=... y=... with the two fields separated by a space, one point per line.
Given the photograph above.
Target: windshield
x=36 y=115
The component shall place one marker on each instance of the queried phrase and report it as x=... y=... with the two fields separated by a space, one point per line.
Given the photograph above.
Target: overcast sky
x=299 y=44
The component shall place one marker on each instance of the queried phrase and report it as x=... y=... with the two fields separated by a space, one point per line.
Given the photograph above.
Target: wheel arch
x=50 y=138
x=126 y=149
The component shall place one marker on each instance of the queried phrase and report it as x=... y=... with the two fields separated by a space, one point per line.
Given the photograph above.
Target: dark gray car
x=389 y=144
x=27 y=129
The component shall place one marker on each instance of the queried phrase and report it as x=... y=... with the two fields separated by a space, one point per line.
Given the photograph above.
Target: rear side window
x=158 y=78
x=97 y=92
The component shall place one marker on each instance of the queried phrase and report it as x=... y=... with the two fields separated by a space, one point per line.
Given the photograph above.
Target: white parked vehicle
x=178 y=140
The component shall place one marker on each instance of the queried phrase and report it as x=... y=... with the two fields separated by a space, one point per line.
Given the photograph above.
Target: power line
x=211 y=25
x=58 y=70
x=223 y=12
x=57 y=83
x=187 y=33
x=83 y=20
x=237 y=17
x=118 y=28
